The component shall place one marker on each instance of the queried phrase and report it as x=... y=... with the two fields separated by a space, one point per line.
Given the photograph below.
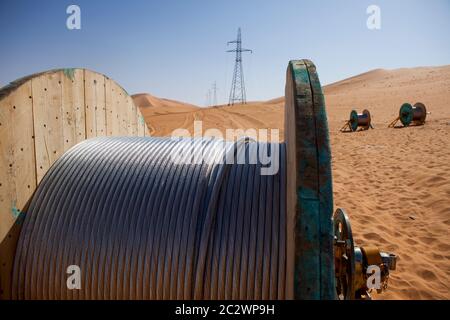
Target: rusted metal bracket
x=358 y=267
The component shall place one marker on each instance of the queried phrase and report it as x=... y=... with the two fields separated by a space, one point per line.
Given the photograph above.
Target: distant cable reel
x=362 y=120
x=352 y=263
x=411 y=115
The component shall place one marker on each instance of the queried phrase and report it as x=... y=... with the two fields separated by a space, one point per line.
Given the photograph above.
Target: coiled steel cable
x=143 y=226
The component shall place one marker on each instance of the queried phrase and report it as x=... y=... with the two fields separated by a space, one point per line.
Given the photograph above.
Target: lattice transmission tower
x=214 y=91
x=237 y=93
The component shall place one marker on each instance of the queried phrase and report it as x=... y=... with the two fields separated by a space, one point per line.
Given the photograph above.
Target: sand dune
x=394 y=183
x=152 y=107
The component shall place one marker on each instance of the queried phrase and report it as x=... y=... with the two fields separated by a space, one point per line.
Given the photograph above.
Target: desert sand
x=152 y=107
x=394 y=183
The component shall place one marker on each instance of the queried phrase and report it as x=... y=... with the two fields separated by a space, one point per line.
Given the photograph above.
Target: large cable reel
x=117 y=205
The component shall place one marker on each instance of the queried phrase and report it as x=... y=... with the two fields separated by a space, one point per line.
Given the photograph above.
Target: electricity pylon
x=214 y=90
x=237 y=93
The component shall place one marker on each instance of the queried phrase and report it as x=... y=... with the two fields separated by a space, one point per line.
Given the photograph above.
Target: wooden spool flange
x=310 y=197
x=42 y=116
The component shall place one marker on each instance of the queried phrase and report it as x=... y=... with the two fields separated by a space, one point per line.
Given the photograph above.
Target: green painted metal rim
x=406 y=114
x=354 y=120
x=314 y=259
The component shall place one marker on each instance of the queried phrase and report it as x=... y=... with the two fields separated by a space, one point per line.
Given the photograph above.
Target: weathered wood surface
x=43 y=115
x=17 y=155
x=310 y=267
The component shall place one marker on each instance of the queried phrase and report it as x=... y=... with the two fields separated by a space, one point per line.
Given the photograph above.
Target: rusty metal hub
x=357 y=268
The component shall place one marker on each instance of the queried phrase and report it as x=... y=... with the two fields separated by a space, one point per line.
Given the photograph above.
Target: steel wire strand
x=142 y=226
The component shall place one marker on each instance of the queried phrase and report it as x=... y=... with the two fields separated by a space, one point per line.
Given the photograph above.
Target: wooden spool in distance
x=362 y=120
x=358 y=120
x=310 y=265
x=411 y=115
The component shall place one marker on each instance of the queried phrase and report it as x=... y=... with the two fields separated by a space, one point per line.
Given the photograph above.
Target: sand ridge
x=151 y=107
x=394 y=183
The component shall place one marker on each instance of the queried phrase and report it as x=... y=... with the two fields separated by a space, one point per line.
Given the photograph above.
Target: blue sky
x=176 y=49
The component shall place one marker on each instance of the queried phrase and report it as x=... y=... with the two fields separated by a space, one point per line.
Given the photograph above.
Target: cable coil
x=141 y=226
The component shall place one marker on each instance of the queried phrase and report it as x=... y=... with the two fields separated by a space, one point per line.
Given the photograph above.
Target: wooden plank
x=115 y=107
x=80 y=113
x=17 y=173
x=48 y=124
x=74 y=129
x=7 y=194
x=24 y=158
x=129 y=115
x=7 y=186
x=94 y=86
x=89 y=104
x=122 y=112
x=132 y=115
x=110 y=119
x=100 y=107
x=17 y=164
